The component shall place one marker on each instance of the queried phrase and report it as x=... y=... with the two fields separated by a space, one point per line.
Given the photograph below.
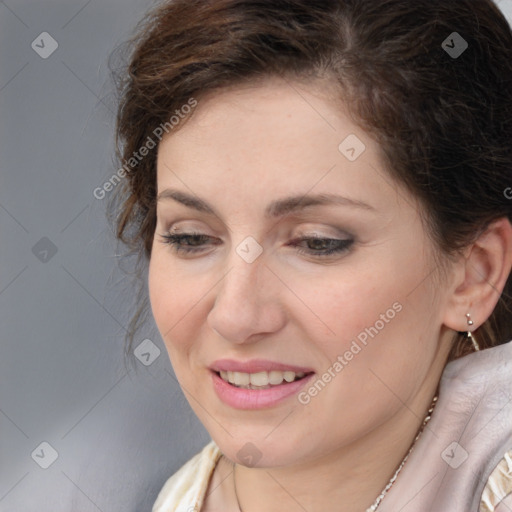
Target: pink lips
x=247 y=399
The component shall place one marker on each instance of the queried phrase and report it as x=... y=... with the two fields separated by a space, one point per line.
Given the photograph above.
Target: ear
x=480 y=277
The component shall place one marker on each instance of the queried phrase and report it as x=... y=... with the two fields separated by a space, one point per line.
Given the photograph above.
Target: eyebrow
x=275 y=209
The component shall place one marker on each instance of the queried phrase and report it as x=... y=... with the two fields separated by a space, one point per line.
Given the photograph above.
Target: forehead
x=276 y=138
x=271 y=124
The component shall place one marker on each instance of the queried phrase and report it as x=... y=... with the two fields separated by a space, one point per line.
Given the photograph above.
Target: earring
x=470 y=336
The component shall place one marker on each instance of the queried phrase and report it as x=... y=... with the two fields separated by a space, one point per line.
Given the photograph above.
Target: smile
x=260 y=392
x=259 y=380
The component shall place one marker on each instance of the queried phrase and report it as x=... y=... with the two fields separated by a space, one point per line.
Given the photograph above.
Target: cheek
x=162 y=296
x=372 y=306
x=373 y=336
x=177 y=302
x=169 y=305
x=169 y=299
x=344 y=303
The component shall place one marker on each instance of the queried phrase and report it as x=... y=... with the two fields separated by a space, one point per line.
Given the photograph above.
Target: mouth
x=261 y=380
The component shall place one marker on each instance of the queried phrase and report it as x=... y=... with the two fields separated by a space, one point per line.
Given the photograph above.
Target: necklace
x=384 y=491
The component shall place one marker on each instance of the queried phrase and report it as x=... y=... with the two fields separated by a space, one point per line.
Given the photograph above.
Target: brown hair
x=444 y=122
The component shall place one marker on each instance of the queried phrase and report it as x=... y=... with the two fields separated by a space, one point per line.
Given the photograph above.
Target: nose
x=247 y=302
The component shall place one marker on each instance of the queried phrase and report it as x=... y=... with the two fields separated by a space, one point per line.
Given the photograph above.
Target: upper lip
x=255 y=366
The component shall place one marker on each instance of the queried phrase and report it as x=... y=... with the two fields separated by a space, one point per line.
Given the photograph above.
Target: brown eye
x=186 y=242
x=317 y=246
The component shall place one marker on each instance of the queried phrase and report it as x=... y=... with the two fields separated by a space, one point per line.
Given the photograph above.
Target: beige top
x=462 y=463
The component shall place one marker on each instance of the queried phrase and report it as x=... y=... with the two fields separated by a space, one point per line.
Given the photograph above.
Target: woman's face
x=357 y=314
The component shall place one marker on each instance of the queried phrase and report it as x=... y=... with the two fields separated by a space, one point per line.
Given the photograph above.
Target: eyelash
x=341 y=245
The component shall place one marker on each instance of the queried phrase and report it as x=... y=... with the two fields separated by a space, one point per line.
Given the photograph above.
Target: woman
x=320 y=193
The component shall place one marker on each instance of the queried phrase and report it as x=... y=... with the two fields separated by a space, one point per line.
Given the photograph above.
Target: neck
x=354 y=474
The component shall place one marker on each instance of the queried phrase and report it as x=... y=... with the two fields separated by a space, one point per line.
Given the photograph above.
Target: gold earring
x=470 y=336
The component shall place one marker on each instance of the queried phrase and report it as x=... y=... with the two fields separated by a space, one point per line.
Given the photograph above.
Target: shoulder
x=497 y=494
x=486 y=379
x=491 y=422
x=463 y=459
x=184 y=491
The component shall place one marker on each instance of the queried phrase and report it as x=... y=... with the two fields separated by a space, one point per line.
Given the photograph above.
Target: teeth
x=241 y=379
x=289 y=376
x=260 y=380
x=275 y=378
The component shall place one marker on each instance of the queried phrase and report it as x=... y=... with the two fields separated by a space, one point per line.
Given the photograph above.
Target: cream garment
x=461 y=463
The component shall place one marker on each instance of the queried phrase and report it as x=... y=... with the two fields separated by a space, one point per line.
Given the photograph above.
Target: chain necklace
x=384 y=491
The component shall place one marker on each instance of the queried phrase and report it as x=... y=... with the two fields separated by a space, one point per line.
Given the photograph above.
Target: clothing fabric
x=461 y=463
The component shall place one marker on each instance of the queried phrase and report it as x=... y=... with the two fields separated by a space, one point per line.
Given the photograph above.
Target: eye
x=193 y=243
x=185 y=242
x=322 y=247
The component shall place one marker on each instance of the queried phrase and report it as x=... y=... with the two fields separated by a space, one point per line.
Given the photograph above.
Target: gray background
x=119 y=430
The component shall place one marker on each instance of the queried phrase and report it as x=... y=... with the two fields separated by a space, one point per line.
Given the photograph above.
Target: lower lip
x=241 y=398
